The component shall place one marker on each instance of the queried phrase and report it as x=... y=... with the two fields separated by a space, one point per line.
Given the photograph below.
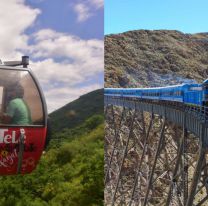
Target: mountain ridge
x=141 y=57
x=77 y=111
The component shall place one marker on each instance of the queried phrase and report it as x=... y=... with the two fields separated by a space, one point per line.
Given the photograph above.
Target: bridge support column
x=116 y=133
x=150 y=160
x=139 y=163
x=161 y=142
x=180 y=153
x=197 y=172
x=123 y=159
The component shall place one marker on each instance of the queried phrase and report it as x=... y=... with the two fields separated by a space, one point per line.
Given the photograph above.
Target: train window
x=22 y=104
x=198 y=88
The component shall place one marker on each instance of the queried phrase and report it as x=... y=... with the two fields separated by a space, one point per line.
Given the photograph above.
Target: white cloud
x=86 y=9
x=15 y=17
x=66 y=95
x=65 y=63
x=97 y=3
x=81 y=59
x=49 y=43
x=83 y=12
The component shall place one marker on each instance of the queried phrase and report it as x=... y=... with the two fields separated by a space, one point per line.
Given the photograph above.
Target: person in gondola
x=17 y=112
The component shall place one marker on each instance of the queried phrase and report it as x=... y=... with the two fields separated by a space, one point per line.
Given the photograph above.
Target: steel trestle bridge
x=155 y=153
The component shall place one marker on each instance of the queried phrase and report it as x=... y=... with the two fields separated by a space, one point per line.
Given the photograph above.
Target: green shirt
x=19 y=112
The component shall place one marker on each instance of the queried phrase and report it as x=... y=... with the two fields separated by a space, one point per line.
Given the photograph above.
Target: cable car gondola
x=23 y=118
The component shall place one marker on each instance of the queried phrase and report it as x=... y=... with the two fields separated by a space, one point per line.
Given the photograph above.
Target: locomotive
x=190 y=94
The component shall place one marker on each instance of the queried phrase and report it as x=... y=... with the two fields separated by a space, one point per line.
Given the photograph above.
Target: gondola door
x=23 y=121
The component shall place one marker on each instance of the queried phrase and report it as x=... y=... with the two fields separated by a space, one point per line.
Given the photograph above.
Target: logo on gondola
x=8 y=161
x=8 y=137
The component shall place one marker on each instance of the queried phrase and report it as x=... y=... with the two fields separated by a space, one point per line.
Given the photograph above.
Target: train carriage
x=190 y=94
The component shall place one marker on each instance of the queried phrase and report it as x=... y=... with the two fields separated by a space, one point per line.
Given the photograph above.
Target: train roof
x=205 y=81
x=154 y=88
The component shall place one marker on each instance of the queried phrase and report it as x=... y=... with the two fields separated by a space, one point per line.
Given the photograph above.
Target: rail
x=194 y=119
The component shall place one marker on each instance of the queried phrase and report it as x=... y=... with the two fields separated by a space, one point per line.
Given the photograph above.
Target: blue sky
x=188 y=16
x=64 y=40
x=60 y=16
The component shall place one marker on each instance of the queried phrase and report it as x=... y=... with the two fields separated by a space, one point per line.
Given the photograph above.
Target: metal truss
x=152 y=161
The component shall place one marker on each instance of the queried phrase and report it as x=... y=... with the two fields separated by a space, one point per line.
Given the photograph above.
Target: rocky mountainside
x=144 y=58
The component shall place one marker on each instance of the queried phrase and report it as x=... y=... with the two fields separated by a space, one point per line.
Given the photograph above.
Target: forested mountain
x=155 y=58
x=77 y=111
x=70 y=173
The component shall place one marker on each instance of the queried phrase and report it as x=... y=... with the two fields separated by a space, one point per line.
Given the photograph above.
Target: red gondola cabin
x=22 y=132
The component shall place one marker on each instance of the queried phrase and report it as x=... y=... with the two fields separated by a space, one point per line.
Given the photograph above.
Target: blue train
x=191 y=94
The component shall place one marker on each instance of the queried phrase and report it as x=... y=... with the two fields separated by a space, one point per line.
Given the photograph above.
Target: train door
x=205 y=94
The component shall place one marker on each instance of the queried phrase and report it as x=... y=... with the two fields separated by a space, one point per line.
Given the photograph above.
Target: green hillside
x=77 y=111
x=70 y=173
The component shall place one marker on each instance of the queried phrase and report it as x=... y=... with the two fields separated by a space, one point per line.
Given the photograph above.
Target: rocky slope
x=155 y=58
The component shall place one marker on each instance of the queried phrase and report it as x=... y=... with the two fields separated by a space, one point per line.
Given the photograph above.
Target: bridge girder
x=152 y=161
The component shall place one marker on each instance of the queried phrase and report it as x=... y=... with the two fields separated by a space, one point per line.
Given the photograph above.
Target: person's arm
x=6 y=118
